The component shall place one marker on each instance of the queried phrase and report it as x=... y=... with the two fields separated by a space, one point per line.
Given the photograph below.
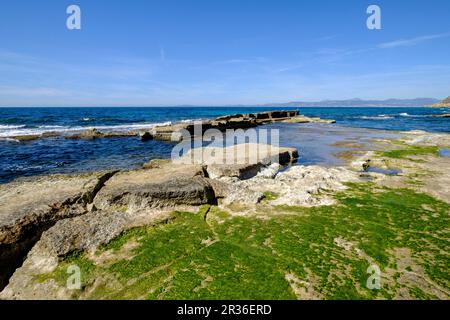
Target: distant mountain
x=443 y=103
x=418 y=102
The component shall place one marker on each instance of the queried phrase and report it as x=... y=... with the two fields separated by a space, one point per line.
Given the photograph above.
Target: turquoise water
x=59 y=155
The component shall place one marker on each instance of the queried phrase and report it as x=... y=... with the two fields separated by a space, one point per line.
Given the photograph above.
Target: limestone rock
x=85 y=232
x=27 y=208
x=145 y=135
x=88 y=134
x=26 y=204
x=242 y=161
x=168 y=185
x=304 y=119
x=91 y=134
x=445 y=115
x=297 y=186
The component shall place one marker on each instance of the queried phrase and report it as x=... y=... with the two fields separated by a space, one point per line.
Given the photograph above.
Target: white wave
x=44 y=129
x=50 y=127
x=380 y=117
x=88 y=119
x=404 y=114
x=9 y=139
x=12 y=126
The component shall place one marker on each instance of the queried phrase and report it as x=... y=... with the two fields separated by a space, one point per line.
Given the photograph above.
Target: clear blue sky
x=218 y=52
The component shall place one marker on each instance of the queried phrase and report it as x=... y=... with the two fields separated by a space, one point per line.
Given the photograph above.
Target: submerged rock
x=91 y=134
x=304 y=119
x=26 y=138
x=445 y=115
x=88 y=134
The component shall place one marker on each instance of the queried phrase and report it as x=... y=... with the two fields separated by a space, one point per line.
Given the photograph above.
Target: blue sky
x=219 y=52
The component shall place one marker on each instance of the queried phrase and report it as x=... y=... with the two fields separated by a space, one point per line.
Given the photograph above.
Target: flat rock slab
x=242 y=161
x=304 y=119
x=166 y=184
x=29 y=207
x=26 y=204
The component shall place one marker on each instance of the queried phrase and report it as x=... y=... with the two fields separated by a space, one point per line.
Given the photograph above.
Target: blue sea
x=59 y=155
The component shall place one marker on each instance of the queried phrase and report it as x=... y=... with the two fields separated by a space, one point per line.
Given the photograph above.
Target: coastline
x=56 y=154
x=105 y=221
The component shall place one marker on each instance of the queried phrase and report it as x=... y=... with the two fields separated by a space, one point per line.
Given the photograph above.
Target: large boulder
x=165 y=185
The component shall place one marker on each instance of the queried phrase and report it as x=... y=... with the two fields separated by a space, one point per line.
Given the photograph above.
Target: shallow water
x=316 y=143
x=390 y=172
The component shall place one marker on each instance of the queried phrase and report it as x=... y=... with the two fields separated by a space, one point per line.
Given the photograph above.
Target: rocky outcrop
x=297 y=186
x=304 y=119
x=236 y=121
x=145 y=135
x=443 y=104
x=28 y=208
x=242 y=161
x=56 y=215
x=179 y=131
x=166 y=185
x=80 y=233
x=91 y=134
x=445 y=115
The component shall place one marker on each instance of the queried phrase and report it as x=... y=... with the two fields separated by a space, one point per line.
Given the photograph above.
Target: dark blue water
x=59 y=155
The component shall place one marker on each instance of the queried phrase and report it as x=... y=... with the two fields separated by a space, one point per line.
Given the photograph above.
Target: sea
x=60 y=155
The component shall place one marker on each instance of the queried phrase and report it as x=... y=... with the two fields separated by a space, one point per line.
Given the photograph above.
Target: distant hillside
x=443 y=103
x=418 y=102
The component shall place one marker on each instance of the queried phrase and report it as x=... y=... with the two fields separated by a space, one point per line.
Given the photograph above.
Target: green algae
x=215 y=255
x=407 y=151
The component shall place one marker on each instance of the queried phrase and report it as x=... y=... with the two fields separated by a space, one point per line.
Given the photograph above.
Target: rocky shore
x=172 y=132
x=443 y=104
x=152 y=232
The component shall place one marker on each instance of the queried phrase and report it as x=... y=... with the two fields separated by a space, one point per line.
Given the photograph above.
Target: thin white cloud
x=412 y=41
x=32 y=91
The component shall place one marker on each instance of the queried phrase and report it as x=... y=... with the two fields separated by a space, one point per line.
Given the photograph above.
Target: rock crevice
x=27 y=209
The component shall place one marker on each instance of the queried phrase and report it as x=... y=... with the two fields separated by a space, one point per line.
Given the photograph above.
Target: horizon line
x=218 y=105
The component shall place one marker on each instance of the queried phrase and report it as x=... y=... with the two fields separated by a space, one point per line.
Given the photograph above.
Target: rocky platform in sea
x=173 y=132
